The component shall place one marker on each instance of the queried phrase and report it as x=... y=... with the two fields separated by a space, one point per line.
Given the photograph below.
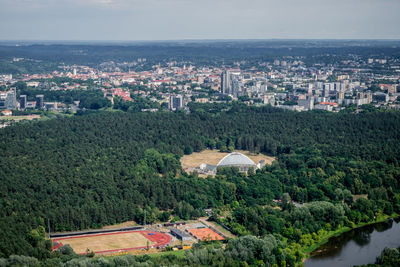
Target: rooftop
x=235 y=158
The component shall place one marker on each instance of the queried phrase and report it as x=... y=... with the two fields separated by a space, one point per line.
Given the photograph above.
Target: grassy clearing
x=121 y=225
x=213 y=157
x=21 y=117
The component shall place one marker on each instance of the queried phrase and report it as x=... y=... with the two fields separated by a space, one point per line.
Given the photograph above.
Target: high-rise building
x=226 y=82
x=369 y=97
x=338 y=86
x=237 y=88
x=340 y=95
x=264 y=87
x=325 y=92
x=22 y=101
x=318 y=85
x=39 y=101
x=232 y=83
x=3 y=97
x=11 y=100
x=175 y=102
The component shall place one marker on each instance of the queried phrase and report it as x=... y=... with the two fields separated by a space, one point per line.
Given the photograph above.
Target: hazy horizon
x=178 y=20
x=17 y=42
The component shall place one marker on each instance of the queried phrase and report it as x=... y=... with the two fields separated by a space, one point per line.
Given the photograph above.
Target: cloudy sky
x=198 y=19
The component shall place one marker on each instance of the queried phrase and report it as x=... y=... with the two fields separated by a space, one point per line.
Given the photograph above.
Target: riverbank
x=307 y=251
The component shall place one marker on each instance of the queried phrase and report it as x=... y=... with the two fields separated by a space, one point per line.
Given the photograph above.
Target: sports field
x=19 y=118
x=112 y=242
x=219 y=228
x=213 y=157
x=205 y=234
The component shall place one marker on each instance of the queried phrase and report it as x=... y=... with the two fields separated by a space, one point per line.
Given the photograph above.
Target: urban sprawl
x=286 y=83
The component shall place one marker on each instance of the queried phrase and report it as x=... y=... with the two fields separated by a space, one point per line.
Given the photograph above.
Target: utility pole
x=48 y=225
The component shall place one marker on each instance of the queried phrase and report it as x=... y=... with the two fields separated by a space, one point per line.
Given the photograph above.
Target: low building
x=180 y=234
x=208 y=168
x=307 y=104
x=323 y=107
x=30 y=105
x=6 y=112
x=51 y=105
x=380 y=97
x=328 y=106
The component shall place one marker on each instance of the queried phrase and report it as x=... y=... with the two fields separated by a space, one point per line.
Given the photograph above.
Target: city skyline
x=139 y=20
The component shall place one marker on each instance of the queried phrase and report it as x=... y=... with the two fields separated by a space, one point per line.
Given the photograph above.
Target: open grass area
x=18 y=118
x=121 y=225
x=107 y=242
x=213 y=157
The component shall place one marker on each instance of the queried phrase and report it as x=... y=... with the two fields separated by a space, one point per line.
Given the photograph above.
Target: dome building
x=238 y=160
x=235 y=159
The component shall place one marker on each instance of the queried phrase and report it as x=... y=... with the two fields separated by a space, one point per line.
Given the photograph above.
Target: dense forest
x=103 y=168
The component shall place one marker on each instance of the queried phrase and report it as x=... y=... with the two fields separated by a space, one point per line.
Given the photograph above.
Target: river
x=356 y=247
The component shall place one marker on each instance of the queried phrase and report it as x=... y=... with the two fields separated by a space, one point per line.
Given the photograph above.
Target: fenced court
x=205 y=234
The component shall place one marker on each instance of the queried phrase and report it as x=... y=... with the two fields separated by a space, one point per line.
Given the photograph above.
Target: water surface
x=358 y=246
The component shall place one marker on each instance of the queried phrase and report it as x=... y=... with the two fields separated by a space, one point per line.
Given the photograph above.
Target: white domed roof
x=235 y=158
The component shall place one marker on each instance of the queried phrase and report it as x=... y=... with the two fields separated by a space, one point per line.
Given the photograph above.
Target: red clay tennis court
x=205 y=234
x=113 y=242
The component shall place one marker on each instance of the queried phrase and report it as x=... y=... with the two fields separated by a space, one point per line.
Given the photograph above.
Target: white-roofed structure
x=238 y=160
x=209 y=166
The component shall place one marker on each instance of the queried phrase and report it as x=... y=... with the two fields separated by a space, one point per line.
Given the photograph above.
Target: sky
x=131 y=20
